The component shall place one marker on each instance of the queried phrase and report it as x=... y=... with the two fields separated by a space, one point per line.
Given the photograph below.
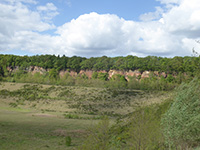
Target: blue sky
x=128 y=9
x=91 y=28
x=72 y=9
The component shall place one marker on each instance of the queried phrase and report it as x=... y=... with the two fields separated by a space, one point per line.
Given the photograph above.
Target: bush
x=68 y=140
x=71 y=116
x=53 y=73
x=95 y=75
x=144 y=128
x=13 y=104
x=103 y=76
x=98 y=137
x=181 y=123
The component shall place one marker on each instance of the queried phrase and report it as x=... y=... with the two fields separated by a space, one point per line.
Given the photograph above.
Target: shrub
x=94 y=75
x=68 y=140
x=98 y=137
x=144 y=131
x=71 y=116
x=53 y=73
x=181 y=123
x=103 y=76
x=13 y=104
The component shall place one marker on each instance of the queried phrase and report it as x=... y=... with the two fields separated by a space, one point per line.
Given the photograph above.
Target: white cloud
x=165 y=32
x=93 y=32
x=68 y=2
x=95 y=35
x=170 y=1
x=47 y=7
x=152 y=15
x=184 y=19
x=48 y=11
x=20 y=1
x=16 y=19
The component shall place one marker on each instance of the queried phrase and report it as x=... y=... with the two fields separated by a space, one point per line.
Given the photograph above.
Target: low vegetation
x=55 y=114
x=70 y=117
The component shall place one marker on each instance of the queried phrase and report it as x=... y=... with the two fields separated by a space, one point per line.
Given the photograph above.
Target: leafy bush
x=68 y=140
x=13 y=104
x=143 y=130
x=181 y=123
x=5 y=92
x=64 y=93
x=95 y=75
x=53 y=73
x=103 y=76
x=98 y=137
x=71 y=116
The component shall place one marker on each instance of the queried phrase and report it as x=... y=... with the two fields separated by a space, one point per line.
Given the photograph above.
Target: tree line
x=178 y=69
x=75 y=63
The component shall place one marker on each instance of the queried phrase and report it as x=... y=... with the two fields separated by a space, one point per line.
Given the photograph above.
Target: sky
x=94 y=28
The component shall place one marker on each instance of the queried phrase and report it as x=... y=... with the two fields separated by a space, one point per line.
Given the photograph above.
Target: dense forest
x=151 y=63
x=177 y=69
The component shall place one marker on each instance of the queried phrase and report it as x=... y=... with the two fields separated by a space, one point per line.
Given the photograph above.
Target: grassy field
x=23 y=130
x=34 y=116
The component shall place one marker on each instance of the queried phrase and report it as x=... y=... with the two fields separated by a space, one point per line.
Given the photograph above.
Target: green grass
x=34 y=116
x=28 y=130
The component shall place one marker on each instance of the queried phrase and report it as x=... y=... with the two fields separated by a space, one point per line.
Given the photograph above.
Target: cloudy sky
x=93 y=28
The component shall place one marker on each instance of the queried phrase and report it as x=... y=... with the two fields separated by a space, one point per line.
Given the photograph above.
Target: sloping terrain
x=35 y=116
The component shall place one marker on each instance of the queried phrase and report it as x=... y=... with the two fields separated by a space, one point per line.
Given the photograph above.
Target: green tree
x=144 y=131
x=1 y=73
x=181 y=123
x=103 y=76
x=170 y=78
x=88 y=64
x=95 y=75
x=117 y=81
x=53 y=73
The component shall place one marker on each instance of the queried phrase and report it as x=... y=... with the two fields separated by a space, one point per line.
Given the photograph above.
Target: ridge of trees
x=178 y=69
x=75 y=63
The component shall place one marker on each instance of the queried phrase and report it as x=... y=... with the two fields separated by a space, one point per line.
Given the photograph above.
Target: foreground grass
x=31 y=130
